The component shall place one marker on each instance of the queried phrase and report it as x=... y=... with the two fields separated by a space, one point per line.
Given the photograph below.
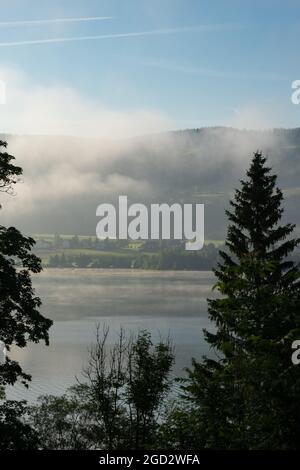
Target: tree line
x=164 y=259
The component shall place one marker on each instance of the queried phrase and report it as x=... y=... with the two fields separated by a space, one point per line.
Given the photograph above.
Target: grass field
x=45 y=254
x=131 y=244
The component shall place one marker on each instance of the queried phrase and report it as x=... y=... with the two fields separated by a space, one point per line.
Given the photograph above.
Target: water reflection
x=163 y=302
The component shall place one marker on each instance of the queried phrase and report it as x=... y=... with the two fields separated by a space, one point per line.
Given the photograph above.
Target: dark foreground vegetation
x=246 y=397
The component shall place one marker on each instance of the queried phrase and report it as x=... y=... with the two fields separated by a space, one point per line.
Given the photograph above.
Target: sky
x=118 y=68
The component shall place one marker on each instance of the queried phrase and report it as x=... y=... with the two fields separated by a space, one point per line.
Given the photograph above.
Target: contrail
x=88 y=38
x=54 y=20
x=155 y=32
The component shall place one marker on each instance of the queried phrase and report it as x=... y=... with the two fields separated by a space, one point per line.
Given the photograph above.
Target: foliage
x=20 y=320
x=247 y=397
x=119 y=403
x=15 y=433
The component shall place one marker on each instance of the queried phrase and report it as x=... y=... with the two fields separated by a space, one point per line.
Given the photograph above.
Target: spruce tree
x=247 y=395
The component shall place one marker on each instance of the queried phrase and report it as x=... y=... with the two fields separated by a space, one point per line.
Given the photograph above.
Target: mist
x=65 y=178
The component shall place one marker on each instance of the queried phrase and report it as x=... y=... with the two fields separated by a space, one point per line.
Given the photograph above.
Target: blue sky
x=196 y=63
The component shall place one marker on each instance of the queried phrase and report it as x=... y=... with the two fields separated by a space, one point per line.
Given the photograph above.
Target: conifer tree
x=247 y=395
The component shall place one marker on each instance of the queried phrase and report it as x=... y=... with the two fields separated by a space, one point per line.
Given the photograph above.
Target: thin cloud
x=156 y=32
x=53 y=21
x=201 y=71
x=171 y=67
x=101 y=36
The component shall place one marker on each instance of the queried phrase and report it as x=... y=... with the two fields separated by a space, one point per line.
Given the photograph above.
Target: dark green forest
x=163 y=258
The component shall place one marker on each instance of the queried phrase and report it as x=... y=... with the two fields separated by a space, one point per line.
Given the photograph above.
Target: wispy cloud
x=206 y=72
x=94 y=37
x=180 y=68
x=7 y=24
x=155 y=32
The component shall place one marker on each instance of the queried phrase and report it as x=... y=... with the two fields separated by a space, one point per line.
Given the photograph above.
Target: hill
x=65 y=178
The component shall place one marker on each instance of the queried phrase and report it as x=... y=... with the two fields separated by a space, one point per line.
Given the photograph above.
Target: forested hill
x=65 y=178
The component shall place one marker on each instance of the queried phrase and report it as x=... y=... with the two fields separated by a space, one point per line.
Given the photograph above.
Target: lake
x=163 y=302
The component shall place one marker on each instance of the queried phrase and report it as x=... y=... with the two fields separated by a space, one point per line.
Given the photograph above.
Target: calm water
x=163 y=302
